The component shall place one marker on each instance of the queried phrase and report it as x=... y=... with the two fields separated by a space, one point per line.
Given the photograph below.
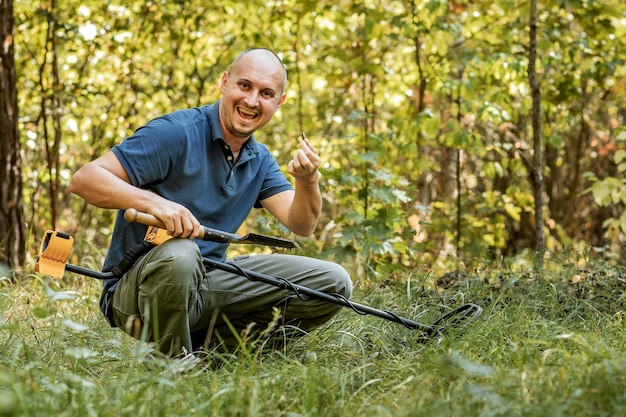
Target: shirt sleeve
x=148 y=155
x=275 y=181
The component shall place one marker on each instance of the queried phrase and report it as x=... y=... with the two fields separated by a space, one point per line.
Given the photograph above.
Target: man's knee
x=172 y=276
x=178 y=262
x=338 y=279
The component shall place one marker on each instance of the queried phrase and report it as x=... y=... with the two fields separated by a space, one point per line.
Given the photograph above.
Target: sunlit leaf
x=74 y=326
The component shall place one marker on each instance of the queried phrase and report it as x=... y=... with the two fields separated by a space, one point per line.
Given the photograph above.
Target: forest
x=472 y=152
x=421 y=111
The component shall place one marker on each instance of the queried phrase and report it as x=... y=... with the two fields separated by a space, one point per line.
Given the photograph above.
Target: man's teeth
x=247 y=112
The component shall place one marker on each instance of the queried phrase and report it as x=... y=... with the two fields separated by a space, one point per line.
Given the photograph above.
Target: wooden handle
x=206 y=233
x=133 y=216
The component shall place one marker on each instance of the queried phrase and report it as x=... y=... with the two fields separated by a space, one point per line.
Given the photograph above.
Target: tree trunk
x=537 y=165
x=424 y=182
x=12 y=231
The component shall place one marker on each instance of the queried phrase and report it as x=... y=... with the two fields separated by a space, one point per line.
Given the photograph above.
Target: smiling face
x=252 y=94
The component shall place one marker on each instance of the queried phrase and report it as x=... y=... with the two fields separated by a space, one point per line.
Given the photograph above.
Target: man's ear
x=223 y=81
x=282 y=100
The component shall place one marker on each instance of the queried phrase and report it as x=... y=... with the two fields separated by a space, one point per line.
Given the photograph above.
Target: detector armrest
x=54 y=252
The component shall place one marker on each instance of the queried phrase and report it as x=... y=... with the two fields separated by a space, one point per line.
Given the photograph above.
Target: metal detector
x=56 y=247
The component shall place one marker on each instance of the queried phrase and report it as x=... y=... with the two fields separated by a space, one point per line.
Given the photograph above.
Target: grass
x=546 y=345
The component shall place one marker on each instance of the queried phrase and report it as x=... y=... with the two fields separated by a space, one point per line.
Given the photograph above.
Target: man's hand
x=178 y=220
x=305 y=163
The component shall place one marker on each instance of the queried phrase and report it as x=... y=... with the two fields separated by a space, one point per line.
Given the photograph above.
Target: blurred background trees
x=421 y=111
x=12 y=225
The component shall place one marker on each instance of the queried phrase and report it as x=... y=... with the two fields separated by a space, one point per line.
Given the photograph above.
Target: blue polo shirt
x=183 y=157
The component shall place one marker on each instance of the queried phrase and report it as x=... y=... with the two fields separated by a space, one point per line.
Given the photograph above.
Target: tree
x=537 y=167
x=12 y=233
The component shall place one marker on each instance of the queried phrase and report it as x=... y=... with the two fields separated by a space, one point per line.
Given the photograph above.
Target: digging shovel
x=213 y=235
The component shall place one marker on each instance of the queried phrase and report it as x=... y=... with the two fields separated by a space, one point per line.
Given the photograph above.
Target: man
x=202 y=166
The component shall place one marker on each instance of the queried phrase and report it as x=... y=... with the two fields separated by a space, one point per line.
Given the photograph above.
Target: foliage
x=420 y=110
x=611 y=192
x=547 y=344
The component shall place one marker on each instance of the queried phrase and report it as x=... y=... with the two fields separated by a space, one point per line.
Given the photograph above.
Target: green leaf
x=81 y=353
x=74 y=326
x=42 y=313
x=513 y=211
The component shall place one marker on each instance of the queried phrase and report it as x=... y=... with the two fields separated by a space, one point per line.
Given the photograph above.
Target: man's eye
x=268 y=94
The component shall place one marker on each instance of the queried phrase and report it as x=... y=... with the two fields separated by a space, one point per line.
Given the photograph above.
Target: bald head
x=253 y=91
x=263 y=57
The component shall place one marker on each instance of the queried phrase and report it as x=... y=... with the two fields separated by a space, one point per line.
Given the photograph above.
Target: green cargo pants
x=168 y=297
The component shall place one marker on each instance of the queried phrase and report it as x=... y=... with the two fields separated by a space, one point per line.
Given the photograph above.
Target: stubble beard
x=229 y=125
x=239 y=133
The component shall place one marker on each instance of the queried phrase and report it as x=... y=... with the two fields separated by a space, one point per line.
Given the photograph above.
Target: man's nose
x=252 y=99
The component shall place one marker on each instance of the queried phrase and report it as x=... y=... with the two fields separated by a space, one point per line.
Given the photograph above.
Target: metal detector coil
x=54 y=252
